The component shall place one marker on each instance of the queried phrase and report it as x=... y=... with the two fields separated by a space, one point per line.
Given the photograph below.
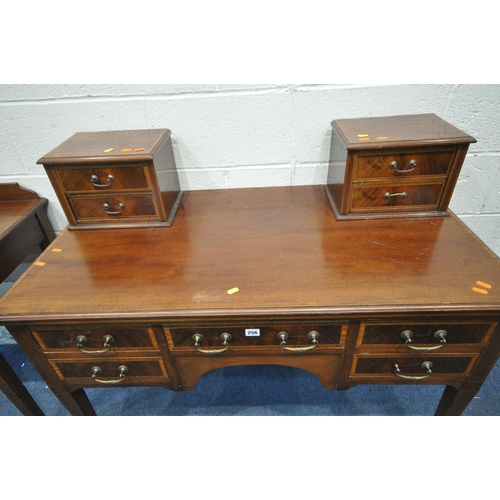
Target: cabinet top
x=398 y=131
x=106 y=146
x=262 y=252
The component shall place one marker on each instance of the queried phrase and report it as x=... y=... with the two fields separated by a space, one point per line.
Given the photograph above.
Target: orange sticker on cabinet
x=57 y=249
x=39 y=264
x=126 y=150
x=482 y=283
x=382 y=138
x=480 y=290
x=139 y=149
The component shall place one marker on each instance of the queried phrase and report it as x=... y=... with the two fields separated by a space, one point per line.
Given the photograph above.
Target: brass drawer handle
x=426 y=365
x=225 y=337
x=412 y=164
x=95 y=181
x=313 y=335
x=439 y=334
x=123 y=372
x=81 y=340
x=107 y=208
x=402 y=195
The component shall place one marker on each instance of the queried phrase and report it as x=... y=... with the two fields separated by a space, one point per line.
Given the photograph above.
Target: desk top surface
x=280 y=247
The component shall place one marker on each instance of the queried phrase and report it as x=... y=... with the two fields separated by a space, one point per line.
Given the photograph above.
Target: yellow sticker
x=108 y=150
x=233 y=290
x=482 y=283
x=363 y=135
x=57 y=249
x=39 y=264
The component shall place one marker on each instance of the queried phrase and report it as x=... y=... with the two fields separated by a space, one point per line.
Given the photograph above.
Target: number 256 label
x=252 y=332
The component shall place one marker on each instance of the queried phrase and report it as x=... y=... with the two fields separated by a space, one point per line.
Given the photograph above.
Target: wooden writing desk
x=24 y=225
x=262 y=276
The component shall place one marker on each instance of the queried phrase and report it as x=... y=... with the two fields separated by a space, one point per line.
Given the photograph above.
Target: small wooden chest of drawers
x=394 y=166
x=115 y=178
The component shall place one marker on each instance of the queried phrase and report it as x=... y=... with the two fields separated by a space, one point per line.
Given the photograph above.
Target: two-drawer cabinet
x=406 y=351
x=100 y=357
x=394 y=166
x=115 y=178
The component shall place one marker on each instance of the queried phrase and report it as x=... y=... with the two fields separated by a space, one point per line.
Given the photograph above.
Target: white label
x=252 y=332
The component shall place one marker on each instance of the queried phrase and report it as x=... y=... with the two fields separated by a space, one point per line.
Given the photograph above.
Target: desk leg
x=453 y=401
x=14 y=389
x=76 y=402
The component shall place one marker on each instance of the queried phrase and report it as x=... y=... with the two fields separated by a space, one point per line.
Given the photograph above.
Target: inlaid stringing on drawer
x=332 y=335
x=474 y=333
x=105 y=178
x=67 y=340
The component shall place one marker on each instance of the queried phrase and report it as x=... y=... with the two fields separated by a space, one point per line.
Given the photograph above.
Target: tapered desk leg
x=454 y=402
x=14 y=389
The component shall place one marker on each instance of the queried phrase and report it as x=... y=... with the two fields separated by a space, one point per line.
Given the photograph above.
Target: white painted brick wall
x=235 y=135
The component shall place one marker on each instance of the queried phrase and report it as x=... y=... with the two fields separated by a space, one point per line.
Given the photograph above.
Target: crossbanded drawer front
x=106 y=178
x=104 y=372
x=413 y=366
x=91 y=342
x=300 y=336
x=390 y=197
x=112 y=208
x=403 y=164
x=425 y=334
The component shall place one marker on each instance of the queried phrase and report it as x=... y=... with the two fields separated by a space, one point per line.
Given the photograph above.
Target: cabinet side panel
x=336 y=168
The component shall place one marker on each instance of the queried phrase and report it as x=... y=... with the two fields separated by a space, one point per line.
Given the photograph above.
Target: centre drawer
x=282 y=336
x=427 y=335
x=403 y=163
x=95 y=342
x=107 y=177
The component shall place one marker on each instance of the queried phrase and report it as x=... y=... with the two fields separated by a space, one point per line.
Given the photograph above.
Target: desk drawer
x=416 y=163
x=427 y=335
x=297 y=336
x=105 y=178
x=426 y=368
x=105 y=372
x=122 y=206
x=92 y=342
x=402 y=196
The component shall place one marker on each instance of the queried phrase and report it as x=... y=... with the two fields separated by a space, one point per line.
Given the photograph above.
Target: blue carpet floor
x=253 y=391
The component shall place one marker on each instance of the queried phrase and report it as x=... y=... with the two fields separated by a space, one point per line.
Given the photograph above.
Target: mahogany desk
x=24 y=225
x=262 y=276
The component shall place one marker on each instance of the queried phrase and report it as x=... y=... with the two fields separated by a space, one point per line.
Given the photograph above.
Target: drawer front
x=423 y=334
x=297 y=336
x=413 y=368
x=103 y=372
x=396 y=197
x=91 y=342
x=106 y=178
x=403 y=164
x=112 y=207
